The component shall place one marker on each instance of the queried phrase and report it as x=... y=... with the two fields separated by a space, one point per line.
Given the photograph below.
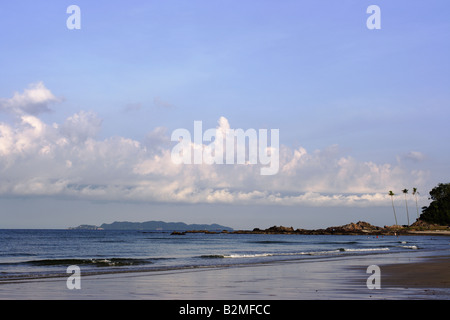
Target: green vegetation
x=438 y=212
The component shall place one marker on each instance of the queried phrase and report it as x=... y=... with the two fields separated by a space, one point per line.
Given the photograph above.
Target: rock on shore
x=358 y=228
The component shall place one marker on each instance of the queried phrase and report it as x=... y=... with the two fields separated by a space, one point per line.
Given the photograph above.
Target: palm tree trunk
x=393 y=208
x=417 y=207
x=407 y=213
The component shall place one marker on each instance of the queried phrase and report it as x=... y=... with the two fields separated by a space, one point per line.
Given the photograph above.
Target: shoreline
x=403 y=276
x=430 y=233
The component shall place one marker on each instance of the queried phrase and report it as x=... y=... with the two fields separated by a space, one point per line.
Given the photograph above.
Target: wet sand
x=287 y=288
x=403 y=276
x=428 y=272
x=274 y=281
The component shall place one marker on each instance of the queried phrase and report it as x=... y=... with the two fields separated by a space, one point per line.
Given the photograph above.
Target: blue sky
x=359 y=111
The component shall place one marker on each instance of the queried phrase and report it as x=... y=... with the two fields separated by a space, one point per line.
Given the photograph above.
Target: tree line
x=438 y=212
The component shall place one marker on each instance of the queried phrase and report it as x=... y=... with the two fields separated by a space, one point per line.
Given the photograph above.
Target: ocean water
x=35 y=254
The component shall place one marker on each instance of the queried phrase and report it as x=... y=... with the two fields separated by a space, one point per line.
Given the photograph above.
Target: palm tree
x=415 y=193
x=393 y=208
x=405 y=191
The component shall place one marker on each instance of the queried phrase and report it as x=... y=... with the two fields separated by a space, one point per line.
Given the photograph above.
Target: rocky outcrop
x=358 y=228
x=422 y=224
x=279 y=229
x=178 y=233
x=351 y=228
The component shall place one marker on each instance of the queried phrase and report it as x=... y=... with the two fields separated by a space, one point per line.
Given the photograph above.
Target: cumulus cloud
x=68 y=159
x=81 y=126
x=34 y=100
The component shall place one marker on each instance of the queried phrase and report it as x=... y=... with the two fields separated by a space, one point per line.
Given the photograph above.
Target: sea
x=37 y=253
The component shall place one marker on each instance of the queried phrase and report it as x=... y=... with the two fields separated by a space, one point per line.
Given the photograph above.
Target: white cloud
x=81 y=126
x=34 y=100
x=69 y=160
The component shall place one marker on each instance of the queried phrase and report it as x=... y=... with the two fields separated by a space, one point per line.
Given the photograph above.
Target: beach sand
x=403 y=276
x=428 y=272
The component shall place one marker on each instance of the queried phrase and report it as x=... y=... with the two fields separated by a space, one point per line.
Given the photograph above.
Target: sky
x=87 y=114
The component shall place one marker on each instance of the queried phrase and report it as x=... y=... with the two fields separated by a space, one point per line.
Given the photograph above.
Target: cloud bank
x=69 y=160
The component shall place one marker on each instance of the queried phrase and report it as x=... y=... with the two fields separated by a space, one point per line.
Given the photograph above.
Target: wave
x=101 y=262
x=255 y=255
x=213 y=256
x=112 y=262
x=410 y=247
x=309 y=253
x=222 y=256
x=366 y=249
x=414 y=247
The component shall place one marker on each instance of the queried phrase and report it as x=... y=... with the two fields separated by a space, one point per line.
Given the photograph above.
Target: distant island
x=153 y=226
